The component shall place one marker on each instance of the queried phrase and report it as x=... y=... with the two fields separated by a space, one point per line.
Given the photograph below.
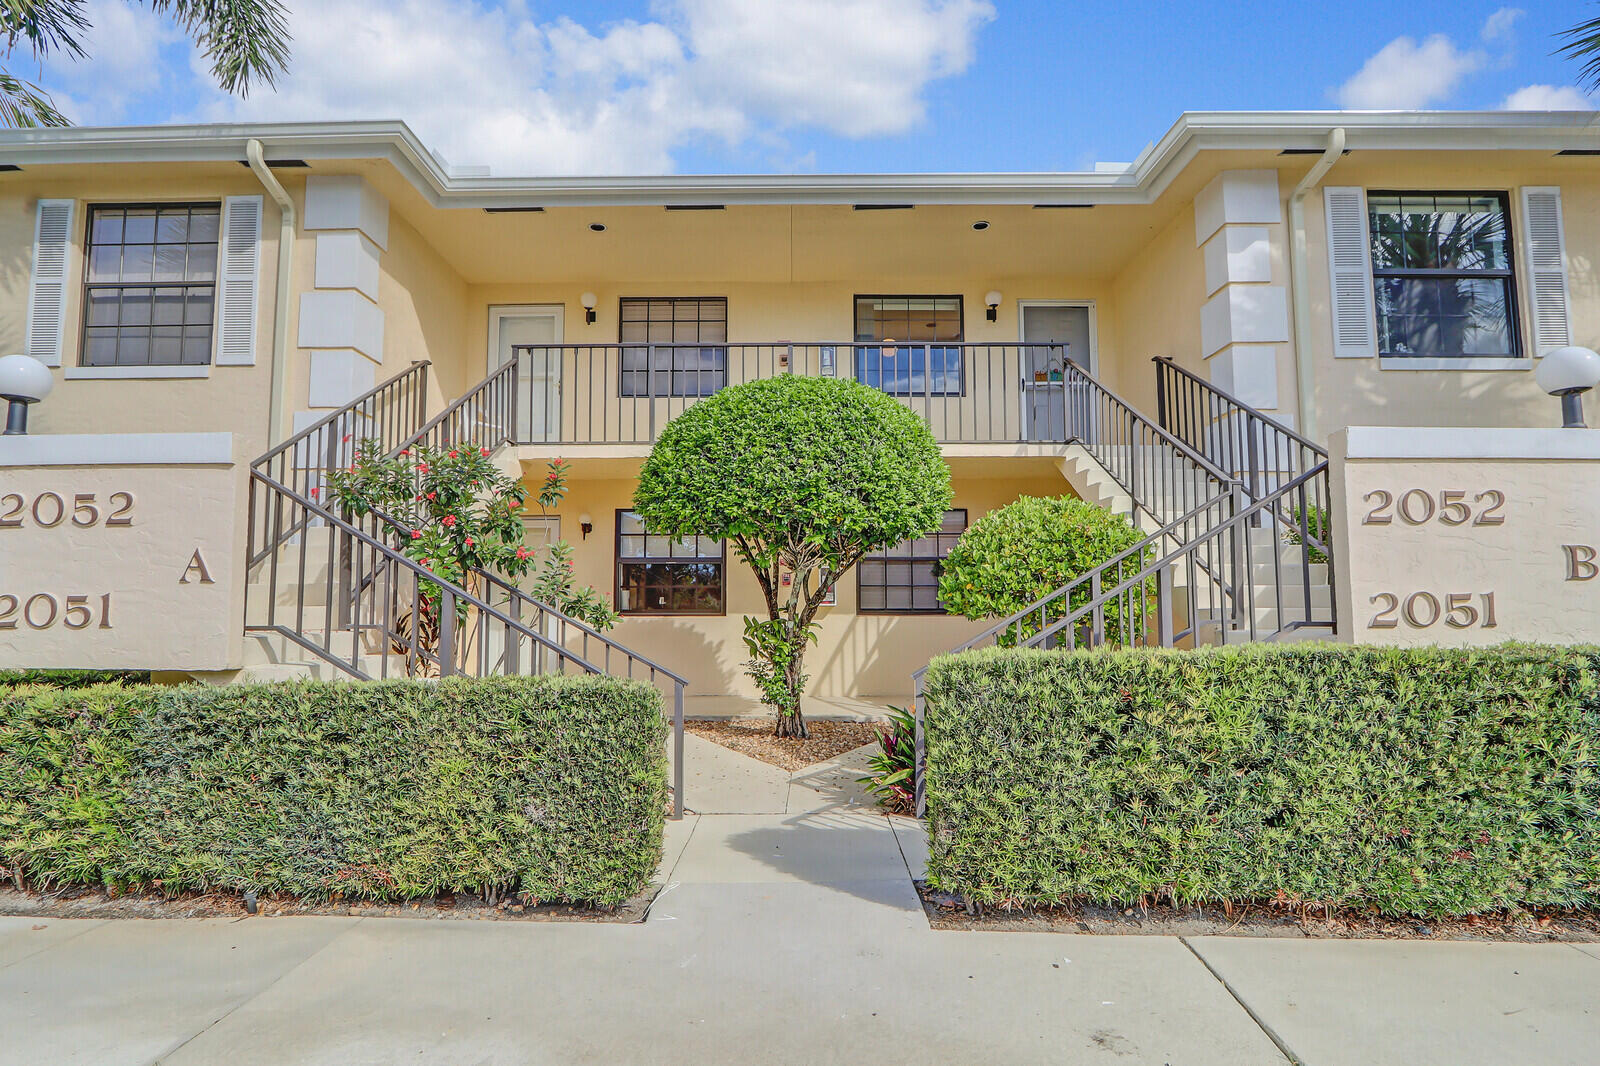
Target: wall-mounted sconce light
x=586 y=524
x=24 y=381
x=1567 y=373
x=991 y=305
x=588 y=301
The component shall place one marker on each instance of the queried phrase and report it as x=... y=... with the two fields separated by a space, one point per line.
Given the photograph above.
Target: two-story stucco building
x=1321 y=270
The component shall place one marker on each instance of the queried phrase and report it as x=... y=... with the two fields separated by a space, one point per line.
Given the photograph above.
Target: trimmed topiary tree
x=1027 y=549
x=802 y=477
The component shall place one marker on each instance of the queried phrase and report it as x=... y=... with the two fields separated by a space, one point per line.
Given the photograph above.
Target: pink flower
x=405 y=451
x=484 y=452
x=431 y=495
x=315 y=491
x=416 y=534
x=469 y=542
x=523 y=553
x=455 y=455
x=347 y=438
x=422 y=468
x=449 y=520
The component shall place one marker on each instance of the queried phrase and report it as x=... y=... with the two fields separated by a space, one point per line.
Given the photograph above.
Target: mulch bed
x=81 y=902
x=754 y=738
x=946 y=911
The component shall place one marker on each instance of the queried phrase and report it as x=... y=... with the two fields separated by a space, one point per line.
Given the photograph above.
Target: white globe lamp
x=1569 y=373
x=24 y=381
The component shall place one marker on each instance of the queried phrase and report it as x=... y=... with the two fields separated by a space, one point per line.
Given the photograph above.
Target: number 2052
x=42 y=611
x=1420 y=610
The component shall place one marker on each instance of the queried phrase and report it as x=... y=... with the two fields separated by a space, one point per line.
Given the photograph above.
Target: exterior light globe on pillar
x=588 y=300
x=1569 y=373
x=23 y=381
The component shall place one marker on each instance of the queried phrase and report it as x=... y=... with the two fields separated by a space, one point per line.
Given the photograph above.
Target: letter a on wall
x=197 y=566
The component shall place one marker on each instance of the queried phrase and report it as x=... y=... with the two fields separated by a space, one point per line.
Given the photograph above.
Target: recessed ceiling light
x=598 y=227
x=980 y=225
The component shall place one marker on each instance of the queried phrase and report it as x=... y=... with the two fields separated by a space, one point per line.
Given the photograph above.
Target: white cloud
x=1405 y=75
x=490 y=85
x=124 y=62
x=1499 y=26
x=1548 y=98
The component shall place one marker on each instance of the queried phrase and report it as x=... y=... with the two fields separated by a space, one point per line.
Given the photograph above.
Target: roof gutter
x=1304 y=406
x=280 y=293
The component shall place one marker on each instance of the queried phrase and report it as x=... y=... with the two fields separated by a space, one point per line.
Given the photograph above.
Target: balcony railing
x=626 y=393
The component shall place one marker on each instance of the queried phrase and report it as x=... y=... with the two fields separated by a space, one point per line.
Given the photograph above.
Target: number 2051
x=42 y=611
x=1459 y=610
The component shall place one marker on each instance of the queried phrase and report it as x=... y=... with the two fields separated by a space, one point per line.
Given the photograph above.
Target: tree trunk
x=794 y=723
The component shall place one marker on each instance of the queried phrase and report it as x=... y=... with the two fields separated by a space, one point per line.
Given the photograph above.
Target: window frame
x=959 y=345
x=1508 y=274
x=647 y=612
x=672 y=389
x=150 y=369
x=883 y=556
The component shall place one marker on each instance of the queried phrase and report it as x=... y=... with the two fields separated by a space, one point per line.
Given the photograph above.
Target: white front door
x=538 y=411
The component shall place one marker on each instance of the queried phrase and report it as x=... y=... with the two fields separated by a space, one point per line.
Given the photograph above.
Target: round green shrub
x=1027 y=549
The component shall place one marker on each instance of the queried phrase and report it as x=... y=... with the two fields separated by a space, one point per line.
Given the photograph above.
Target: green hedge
x=551 y=787
x=1427 y=781
x=71 y=678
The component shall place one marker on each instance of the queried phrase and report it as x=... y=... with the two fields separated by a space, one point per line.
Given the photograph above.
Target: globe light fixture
x=24 y=381
x=1569 y=373
x=991 y=304
x=588 y=300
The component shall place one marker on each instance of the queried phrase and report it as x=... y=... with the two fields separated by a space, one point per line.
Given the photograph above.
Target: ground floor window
x=927 y=359
x=659 y=575
x=682 y=346
x=904 y=579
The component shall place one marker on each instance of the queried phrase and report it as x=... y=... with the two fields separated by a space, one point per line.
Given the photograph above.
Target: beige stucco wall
x=1156 y=303
x=856 y=654
x=1358 y=392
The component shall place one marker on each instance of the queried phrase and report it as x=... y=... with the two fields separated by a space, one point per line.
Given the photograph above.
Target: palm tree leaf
x=47 y=25
x=24 y=105
x=1583 y=42
x=247 y=41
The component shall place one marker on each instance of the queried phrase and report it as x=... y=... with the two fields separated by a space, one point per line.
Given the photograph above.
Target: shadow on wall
x=681 y=645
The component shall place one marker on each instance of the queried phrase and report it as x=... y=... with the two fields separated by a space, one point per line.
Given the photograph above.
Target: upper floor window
x=1441 y=274
x=904 y=578
x=928 y=359
x=693 y=357
x=149 y=286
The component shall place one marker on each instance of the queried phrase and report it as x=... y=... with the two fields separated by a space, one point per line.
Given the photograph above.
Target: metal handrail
x=1165 y=362
x=383 y=566
x=499 y=388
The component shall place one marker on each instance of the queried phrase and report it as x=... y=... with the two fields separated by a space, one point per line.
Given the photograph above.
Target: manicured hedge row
x=71 y=678
x=1427 y=781
x=551 y=787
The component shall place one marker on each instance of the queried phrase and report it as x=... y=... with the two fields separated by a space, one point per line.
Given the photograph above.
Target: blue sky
x=827 y=85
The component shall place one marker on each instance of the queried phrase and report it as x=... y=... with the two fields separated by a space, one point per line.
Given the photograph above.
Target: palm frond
x=24 y=105
x=46 y=25
x=247 y=41
x=1583 y=42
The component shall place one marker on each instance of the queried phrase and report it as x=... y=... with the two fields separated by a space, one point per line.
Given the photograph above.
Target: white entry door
x=538 y=412
x=1054 y=334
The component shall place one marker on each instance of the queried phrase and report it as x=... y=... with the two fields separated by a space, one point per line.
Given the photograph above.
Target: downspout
x=281 y=294
x=1297 y=281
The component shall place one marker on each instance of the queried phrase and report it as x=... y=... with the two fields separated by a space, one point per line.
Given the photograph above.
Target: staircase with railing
x=328 y=590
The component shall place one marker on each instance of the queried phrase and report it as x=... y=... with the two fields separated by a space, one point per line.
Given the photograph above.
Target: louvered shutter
x=47 y=290
x=240 y=261
x=1355 y=334
x=1547 y=268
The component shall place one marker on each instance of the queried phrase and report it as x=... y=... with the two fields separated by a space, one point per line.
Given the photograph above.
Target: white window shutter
x=1547 y=267
x=47 y=290
x=1355 y=332
x=238 y=284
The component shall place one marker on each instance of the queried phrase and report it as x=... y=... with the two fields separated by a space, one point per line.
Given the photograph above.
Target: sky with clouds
x=714 y=86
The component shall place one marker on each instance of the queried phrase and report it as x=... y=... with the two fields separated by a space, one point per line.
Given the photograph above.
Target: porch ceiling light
x=588 y=300
x=23 y=381
x=991 y=305
x=1569 y=373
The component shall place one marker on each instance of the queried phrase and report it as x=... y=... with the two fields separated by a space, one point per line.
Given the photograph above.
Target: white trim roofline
x=1142 y=182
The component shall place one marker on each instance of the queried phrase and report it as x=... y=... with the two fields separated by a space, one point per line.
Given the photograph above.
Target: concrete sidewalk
x=777 y=938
